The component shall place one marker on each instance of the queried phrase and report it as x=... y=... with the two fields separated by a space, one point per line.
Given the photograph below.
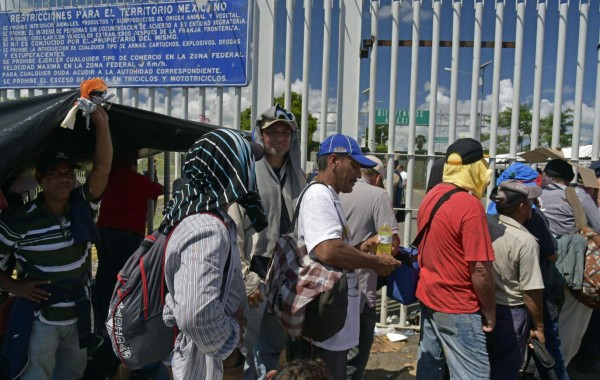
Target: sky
x=443 y=95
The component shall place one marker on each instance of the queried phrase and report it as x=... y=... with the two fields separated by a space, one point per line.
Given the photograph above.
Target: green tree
x=504 y=125
x=296 y=109
x=420 y=141
x=566 y=120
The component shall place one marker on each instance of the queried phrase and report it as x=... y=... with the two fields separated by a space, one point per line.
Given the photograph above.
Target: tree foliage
x=524 y=129
x=296 y=109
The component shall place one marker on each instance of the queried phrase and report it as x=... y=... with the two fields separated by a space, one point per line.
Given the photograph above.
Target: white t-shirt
x=318 y=221
x=404 y=177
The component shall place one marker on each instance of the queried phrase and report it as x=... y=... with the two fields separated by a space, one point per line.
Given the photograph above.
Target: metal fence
x=356 y=37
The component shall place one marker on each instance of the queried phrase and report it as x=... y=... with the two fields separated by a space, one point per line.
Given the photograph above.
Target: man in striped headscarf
x=207 y=297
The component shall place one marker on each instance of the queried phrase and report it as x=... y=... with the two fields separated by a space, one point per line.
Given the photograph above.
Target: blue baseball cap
x=342 y=144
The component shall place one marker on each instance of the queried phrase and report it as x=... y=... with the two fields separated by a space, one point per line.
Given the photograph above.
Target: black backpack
x=135 y=324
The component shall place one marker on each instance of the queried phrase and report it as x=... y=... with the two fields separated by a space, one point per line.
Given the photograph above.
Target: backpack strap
x=297 y=209
x=578 y=210
x=440 y=202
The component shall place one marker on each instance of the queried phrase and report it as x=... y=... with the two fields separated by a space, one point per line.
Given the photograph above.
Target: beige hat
x=379 y=167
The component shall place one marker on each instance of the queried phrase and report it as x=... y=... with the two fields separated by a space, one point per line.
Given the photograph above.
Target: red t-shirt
x=458 y=234
x=124 y=204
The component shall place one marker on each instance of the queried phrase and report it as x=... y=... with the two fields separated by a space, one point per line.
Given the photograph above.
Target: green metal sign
x=382 y=116
x=441 y=140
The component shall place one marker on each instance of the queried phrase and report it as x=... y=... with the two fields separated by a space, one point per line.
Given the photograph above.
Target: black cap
x=468 y=149
x=50 y=159
x=558 y=168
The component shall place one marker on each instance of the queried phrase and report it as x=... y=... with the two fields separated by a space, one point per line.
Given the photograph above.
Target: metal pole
x=167 y=162
x=596 y=129
x=237 y=108
x=475 y=72
x=220 y=106
x=560 y=71
x=373 y=76
x=327 y=6
x=290 y=5
x=495 y=91
x=579 y=80
x=340 y=82
x=433 y=88
x=151 y=101
x=537 y=79
x=516 y=101
x=120 y=95
x=305 y=82
x=457 y=6
x=202 y=102
x=392 y=118
x=412 y=128
x=255 y=49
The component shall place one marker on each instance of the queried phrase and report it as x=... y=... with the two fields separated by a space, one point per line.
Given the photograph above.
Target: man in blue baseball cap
x=323 y=228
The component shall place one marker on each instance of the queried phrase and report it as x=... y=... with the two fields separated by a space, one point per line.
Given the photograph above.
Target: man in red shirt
x=456 y=286
x=121 y=224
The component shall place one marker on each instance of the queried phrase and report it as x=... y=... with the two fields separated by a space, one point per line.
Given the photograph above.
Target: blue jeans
x=264 y=340
x=457 y=340
x=553 y=345
x=54 y=353
x=359 y=356
x=508 y=341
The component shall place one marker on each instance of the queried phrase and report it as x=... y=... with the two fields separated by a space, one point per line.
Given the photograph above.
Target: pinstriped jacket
x=195 y=261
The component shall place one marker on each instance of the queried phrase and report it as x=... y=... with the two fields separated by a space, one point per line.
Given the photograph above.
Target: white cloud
x=406 y=12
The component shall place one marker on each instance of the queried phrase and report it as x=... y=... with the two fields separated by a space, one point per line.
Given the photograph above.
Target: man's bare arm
x=341 y=255
x=482 y=277
x=533 y=303
x=103 y=152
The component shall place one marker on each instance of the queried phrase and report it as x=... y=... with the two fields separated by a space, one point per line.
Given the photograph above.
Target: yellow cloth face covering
x=473 y=177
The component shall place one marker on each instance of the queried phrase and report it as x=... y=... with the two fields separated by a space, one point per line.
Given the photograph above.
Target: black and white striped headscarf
x=220 y=170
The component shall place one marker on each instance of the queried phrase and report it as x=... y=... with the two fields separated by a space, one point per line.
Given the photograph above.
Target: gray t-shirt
x=367 y=208
x=560 y=214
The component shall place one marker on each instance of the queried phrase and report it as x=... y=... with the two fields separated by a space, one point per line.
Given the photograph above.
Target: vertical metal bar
x=560 y=71
x=537 y=78
x=290 y=6
x=392 y=117
x=3 y=95
x=135 y=97
x=167 y=168
x=254 y=62
x=474 y=124
x=220 y=106
x=373 y=76
x=596 y=129
x=327 y=6
x=151 y=169
x=496 y=90
x=412 y=128
x=266 y=57
x=579 y=80
x=120 y=95
x=457 y=6
x=433 y=88
x=349 y=63
x=305 y=82
x=516 y=100
x=237 y=108
x=202 y=103
x=340 y=76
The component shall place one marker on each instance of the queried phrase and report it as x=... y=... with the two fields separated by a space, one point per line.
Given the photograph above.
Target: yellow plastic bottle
x=385 y=240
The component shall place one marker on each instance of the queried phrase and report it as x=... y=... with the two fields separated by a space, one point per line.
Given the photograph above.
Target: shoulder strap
x=440 y=202
x=577 y=207
x=297 y=209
